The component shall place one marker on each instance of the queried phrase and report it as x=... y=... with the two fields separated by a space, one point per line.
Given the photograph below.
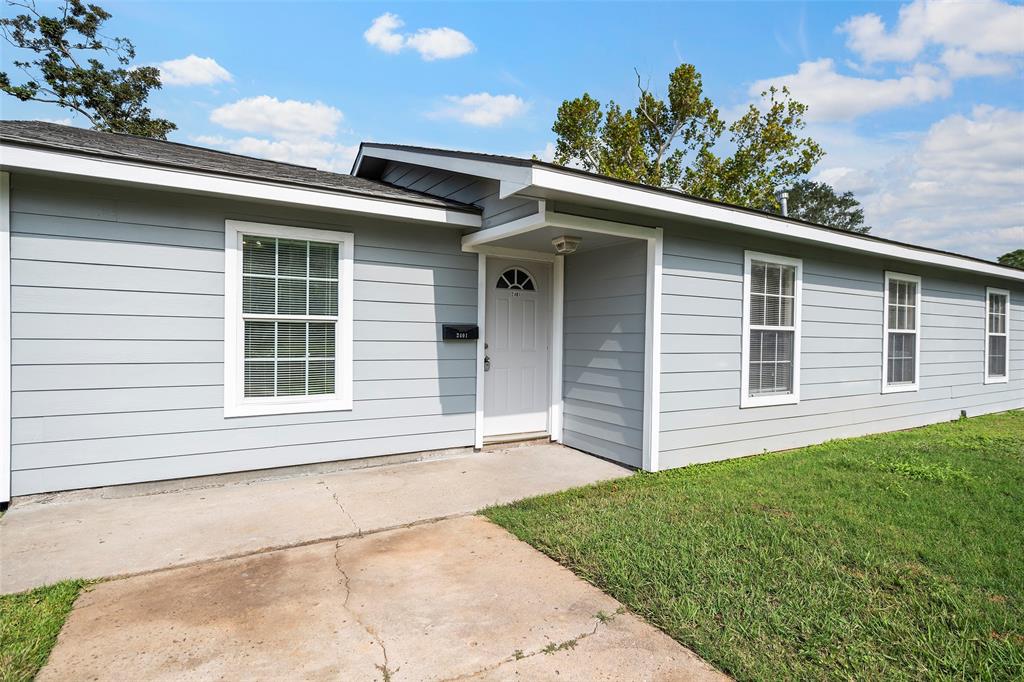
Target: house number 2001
x=516 y=294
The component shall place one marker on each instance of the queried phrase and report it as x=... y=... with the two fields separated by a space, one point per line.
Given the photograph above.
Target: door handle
x=487 y=363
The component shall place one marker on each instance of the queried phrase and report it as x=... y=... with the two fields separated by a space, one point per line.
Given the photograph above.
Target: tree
x=1015 y=259
x=674 y=143
x=65 y=68
x=818 y=202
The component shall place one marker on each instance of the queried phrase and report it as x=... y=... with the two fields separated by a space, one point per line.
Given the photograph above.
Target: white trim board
x=916 y=331
x=537 y=180
x=792 y=398
x=988 y=334
x=5 y=337
x=92 y=168
x=235 y=405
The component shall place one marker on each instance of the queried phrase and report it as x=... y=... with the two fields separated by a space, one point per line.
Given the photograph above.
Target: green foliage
x=672 y=142
x=29 y=625
x=895 y=556
x=818 y=202
x=1015 y=259
x=65 y=69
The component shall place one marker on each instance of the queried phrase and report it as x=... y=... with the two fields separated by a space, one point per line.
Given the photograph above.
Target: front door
x=517 y=334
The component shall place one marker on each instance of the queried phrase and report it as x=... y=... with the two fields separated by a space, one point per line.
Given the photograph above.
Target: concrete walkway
x=134 y=529
x=459 y=599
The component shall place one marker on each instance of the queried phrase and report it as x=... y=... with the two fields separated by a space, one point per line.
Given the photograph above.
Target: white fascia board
x=591 y=188
x=521 y=175
x=13 y=157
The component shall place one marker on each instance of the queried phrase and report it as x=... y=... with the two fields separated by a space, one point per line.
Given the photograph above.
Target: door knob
x=487 y=363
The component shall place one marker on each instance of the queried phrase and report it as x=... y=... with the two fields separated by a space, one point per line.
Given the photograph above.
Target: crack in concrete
x=386 y=672
x=359 y=531
x=550 y=648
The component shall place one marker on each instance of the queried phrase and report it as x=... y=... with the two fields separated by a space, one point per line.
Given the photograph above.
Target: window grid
x=275 y=375
x=997 y=341
x=772 y=301
x=902 y=310
x=771 y=331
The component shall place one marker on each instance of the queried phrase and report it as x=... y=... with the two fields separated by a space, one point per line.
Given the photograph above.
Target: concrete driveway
x=132 y=529
x=459 y=599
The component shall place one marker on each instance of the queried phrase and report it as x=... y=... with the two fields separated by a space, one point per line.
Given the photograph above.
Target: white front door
x=518 y=337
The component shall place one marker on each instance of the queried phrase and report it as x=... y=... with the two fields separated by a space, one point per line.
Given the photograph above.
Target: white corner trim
x=652 y=352
x=481 y=343
x=234 y=327
x=905 y=387
x=1006 y=377
x=5 y=337
x=793 y=398
x=557 y=340
x=94 y=168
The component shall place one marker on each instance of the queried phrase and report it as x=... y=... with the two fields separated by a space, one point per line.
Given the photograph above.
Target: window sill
x=293 y=407
x=900 y=388
x=767 y=401
x=997 y=380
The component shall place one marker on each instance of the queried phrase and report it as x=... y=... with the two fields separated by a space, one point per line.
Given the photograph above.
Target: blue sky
x=919 y=105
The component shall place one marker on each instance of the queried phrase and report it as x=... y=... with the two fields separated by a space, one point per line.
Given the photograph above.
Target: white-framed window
x=901 y=348
x=771 y=330
x=287 y=319
x=997 y=336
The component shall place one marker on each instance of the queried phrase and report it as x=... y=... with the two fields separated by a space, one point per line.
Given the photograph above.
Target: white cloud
x=832 y=96
x=963 y=63
x=431 y=43
x=482 y=108
x=193 y=70
x=290 y=131
x=440 y=43
x=981 y=26
x=318 y=153
x=957 y=187
x=382 y=35
x=284 y=120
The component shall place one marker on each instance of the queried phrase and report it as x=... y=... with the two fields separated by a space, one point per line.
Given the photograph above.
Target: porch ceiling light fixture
x=566 y=244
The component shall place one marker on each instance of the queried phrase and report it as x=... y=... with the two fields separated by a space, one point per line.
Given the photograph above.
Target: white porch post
x=652 y=352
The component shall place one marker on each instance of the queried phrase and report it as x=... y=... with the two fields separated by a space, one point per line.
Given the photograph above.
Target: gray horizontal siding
x=603 y=374
x=841 y=358
x=117 y=325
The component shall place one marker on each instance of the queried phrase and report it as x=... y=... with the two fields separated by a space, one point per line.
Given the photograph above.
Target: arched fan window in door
x=516 y=278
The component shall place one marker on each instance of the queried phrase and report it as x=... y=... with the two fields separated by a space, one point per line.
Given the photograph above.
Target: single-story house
x=175 y=311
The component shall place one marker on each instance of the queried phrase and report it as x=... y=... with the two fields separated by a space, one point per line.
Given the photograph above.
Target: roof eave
x=17 y=156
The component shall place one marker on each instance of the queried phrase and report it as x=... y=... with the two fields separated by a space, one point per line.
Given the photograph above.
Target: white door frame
x=555 y=345
x=480 y=243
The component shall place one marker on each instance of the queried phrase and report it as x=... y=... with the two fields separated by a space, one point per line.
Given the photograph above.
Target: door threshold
x=509 y=438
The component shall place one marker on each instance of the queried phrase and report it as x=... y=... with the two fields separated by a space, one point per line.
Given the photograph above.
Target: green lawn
x=894 y=556
x=29 y=625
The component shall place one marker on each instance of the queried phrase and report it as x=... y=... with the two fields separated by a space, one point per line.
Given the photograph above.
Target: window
x=900 y=351
x=771 y=330
x=997 y=336
x=288 y=319
x=515 y=278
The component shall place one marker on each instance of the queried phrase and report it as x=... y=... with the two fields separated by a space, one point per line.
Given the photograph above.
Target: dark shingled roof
x=177 y=155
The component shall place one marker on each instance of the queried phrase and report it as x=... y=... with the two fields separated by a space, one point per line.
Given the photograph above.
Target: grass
x=897 y=556
x=29 y=625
